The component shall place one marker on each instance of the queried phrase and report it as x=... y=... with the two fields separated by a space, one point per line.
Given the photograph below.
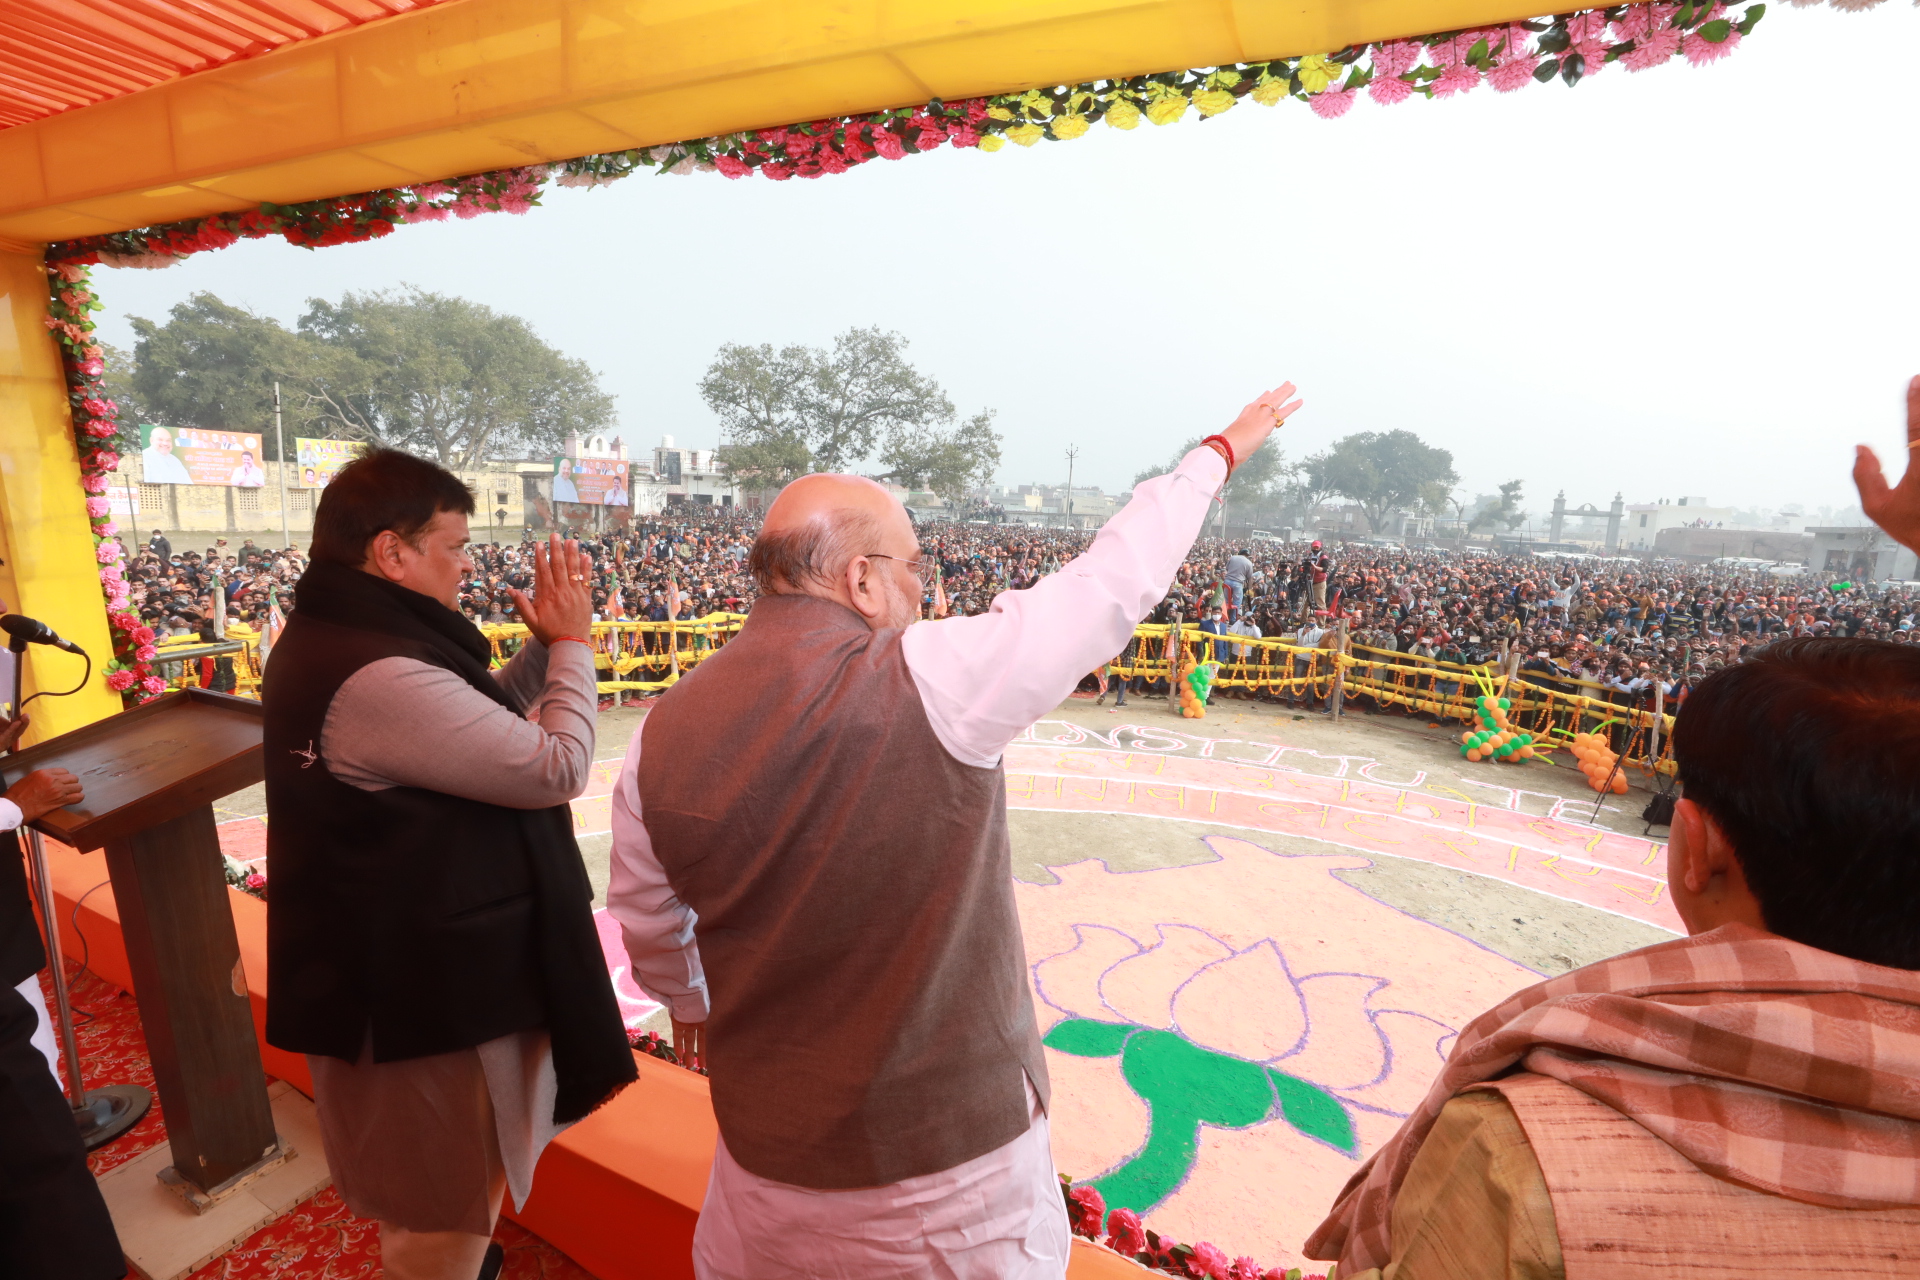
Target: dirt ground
x=1547 y=934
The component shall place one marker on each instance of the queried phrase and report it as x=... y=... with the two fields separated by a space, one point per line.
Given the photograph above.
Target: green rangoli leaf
x=1085 y=1038
x=1314 y=1111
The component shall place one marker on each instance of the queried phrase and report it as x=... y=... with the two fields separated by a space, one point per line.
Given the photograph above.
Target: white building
x=1054 y=505
x=682 y=477
x=1860 y=552
x=595 y=446
x=1645 y=520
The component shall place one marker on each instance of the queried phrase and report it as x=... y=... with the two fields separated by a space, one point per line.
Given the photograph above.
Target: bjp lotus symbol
x=1208 y=1035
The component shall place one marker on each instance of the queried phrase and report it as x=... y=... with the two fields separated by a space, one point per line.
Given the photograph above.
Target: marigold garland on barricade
x=97 y=433
x=1569 y=47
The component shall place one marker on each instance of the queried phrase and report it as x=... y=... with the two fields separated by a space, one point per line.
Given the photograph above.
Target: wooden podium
x=151 y=775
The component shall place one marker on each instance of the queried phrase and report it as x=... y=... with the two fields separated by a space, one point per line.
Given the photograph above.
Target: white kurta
x=982 y=681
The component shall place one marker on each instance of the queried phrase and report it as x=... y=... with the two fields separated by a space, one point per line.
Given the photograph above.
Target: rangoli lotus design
x=1228 y=1040
x=1207 y=1035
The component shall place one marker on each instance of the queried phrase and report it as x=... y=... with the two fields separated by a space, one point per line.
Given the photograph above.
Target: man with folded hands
x=1733 y=1104
x=430 y=936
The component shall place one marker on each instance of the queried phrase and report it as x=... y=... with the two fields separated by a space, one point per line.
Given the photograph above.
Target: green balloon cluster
x=1495 y=738
x=1201 y=678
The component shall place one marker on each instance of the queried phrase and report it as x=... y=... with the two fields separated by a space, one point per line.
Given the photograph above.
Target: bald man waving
x=811 y=869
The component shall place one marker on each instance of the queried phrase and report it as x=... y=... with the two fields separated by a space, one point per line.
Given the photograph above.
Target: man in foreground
x=811 y=868
x=430 y=936
x=1736 y=1103
x=53 y=1221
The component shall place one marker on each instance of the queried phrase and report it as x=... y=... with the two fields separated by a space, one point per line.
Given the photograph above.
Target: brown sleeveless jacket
x=871 y=1016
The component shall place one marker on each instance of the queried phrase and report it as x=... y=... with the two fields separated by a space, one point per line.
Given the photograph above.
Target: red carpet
x=320 y=1239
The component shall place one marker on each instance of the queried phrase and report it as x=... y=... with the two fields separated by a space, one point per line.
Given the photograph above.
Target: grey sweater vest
x=871 y=1016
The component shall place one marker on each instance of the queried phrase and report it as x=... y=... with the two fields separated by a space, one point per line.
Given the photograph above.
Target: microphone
x=27 y=630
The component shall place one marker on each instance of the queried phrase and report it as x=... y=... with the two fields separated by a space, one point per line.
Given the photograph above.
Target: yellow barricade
x=655 y=649
x=657 y=652
x=660 y=649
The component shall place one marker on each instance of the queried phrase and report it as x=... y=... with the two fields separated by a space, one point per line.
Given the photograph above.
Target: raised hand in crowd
x=1895 y=508
x=562 y=600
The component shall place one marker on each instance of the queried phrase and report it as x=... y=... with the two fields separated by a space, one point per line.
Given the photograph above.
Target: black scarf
x=591 y=1059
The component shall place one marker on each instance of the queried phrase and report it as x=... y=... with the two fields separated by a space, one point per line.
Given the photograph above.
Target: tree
x=1505 y=510
x=863 y=392
x=445 y=377
x=1309 y=483
x=949 y=461
x=799 y=409
x=440 y=376
x=750 y=389
x=1386 y=471
x=1433 y=498
x=1258 y=480
x=210 y=365
x=117 y=380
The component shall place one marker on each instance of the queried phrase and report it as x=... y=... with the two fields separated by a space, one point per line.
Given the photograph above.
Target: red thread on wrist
x=1226 y=451
x=578 y=639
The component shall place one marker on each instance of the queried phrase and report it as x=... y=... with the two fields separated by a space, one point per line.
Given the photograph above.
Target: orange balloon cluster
x=1192 y=704
x=1598 y=761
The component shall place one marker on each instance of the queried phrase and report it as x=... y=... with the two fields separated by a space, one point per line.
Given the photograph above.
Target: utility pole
x=1072 y=453
x=280 y=447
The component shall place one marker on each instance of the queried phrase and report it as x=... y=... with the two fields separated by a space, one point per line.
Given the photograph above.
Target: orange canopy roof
x=60 y=54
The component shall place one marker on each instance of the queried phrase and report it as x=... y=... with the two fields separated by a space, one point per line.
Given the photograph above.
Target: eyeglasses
x=923 y=569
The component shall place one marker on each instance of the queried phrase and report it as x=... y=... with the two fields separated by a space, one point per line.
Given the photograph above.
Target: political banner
x=597 y=482
x=319 y=460
x=198 y=455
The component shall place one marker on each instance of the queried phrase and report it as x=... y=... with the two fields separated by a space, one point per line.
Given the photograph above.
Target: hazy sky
x=1682 y=281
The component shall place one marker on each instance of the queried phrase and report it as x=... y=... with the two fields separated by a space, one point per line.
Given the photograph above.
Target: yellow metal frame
x=47 y=566
x=485 y=84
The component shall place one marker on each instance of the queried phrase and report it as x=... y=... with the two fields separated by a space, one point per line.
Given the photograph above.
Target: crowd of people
x=1620 y=624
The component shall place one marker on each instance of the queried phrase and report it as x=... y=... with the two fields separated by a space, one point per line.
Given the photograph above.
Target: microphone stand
x=101 y=1114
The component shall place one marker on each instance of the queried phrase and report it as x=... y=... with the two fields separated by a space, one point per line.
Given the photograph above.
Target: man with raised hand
x=430 y=936
x=811 y=869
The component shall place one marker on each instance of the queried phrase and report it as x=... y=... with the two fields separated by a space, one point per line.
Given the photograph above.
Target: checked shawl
x=1763 y=1061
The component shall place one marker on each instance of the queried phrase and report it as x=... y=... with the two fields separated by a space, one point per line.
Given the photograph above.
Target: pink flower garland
x=1129 y=1237
x=96 y=431
x=316 y=224
x=1570 y=47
